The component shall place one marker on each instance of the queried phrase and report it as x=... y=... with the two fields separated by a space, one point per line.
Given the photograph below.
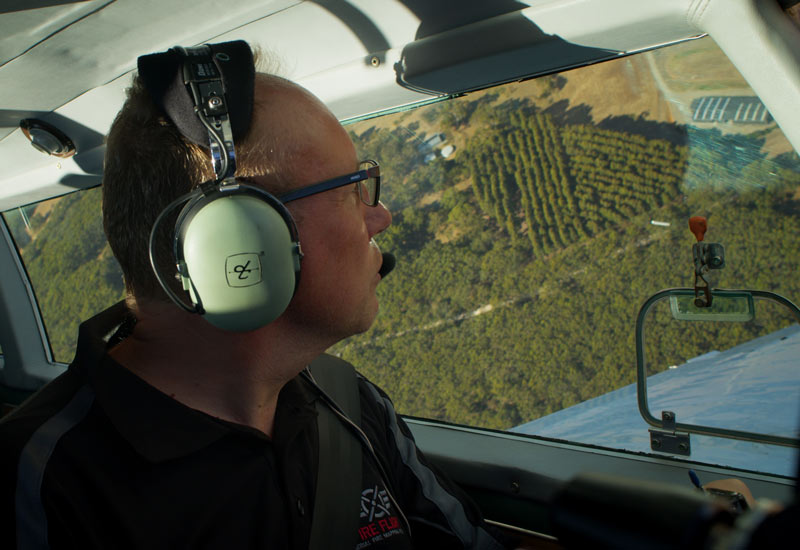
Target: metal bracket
x=668 y=440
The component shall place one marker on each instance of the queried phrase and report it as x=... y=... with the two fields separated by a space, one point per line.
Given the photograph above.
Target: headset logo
x=243 y=269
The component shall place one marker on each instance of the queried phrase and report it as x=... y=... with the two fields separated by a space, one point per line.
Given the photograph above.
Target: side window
x=70 y=265
x=532 y=220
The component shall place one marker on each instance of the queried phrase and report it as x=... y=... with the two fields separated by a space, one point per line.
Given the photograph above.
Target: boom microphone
x=388 y=264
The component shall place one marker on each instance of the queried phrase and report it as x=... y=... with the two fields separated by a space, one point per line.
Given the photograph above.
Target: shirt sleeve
x=440 y=513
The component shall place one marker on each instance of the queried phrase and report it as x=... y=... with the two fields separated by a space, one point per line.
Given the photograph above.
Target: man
x=175 y=433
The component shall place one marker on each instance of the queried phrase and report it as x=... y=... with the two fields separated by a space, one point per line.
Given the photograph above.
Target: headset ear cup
x=241 y=256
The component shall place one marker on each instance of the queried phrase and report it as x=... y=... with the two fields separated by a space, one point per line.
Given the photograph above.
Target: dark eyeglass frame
x=371 y=172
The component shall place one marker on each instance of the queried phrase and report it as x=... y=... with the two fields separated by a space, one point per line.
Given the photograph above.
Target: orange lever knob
x=698 y=226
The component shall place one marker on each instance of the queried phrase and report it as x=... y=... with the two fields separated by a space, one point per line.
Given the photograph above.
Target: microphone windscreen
x=388 y=264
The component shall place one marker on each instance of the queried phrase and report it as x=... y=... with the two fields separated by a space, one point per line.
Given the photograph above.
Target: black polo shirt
x=101 y=459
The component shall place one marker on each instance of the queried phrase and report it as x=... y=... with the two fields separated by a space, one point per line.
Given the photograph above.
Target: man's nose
x=378 y=219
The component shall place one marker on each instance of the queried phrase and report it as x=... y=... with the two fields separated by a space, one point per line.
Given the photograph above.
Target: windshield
x=531 y=222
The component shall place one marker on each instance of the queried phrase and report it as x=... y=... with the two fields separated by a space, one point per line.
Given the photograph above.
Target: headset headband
x=207 y=92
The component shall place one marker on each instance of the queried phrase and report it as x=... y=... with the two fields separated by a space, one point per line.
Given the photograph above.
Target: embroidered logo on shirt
x=378 y=521
x=375 y=504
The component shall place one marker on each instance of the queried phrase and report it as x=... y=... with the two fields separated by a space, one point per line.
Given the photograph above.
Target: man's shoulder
x=19 y=425
x=373 y=397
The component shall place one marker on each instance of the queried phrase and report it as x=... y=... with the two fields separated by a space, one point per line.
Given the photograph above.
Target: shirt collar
x=158 y=427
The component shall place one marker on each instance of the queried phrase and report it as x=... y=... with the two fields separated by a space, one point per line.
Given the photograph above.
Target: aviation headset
x=235 y=245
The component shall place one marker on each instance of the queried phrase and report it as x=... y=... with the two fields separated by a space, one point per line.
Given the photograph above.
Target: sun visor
x=488 y=52
x=162 y=75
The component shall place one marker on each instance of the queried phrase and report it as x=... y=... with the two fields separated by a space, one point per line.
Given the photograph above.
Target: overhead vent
x=47 y=138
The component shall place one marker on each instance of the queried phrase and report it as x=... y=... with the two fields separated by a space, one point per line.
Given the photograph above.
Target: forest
x=523 y=257
x=517 y=289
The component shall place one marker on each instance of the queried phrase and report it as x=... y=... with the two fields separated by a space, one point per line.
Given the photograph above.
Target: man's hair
x=149 y=164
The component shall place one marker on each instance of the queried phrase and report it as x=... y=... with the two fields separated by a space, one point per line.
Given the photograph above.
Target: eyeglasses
x=368 y=179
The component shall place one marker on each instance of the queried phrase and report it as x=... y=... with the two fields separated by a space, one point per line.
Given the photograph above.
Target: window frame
x=27 y=359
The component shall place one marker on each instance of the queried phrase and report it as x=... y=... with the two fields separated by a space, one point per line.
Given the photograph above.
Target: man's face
x=339 y=272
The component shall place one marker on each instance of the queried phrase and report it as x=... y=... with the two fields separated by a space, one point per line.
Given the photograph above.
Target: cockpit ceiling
x=54 y=51
x=69 y=62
